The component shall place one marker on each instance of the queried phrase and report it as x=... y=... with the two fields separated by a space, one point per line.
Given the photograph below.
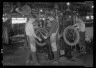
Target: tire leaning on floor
x=77 y=34
x=5 y=35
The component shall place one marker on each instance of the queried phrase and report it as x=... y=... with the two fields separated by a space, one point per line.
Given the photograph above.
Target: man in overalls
x=80 y=25
x=53 y=34
x=29 y=30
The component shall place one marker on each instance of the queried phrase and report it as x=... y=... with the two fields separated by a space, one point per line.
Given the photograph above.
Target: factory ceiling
x=82 y=7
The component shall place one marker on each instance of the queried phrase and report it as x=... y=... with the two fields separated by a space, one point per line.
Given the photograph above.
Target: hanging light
x=43 y=18
x=92 y=6
x=87 y=17
x=41 y=10
x=92 y=17
x=67 y=3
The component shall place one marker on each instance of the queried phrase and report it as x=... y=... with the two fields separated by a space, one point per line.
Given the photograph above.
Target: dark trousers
x=28 y=49
x=82 y=39
x=28 y=54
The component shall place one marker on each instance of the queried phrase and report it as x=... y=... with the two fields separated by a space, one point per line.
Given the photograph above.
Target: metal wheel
x=41 y=32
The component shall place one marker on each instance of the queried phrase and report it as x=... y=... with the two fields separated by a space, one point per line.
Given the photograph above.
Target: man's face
x=31 y=20
x=51 y=18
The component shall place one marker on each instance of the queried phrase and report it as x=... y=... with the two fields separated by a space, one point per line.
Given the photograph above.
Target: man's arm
x=29 y=28
x=49 y=33
x=33 y=30
x=51 y=30
x=33 y=33
x=82 y=24
x=36 y=36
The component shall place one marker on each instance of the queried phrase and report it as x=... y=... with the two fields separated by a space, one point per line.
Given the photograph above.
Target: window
x=18 y=20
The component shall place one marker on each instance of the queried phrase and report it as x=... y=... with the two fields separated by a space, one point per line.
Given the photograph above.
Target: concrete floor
x=14 y=55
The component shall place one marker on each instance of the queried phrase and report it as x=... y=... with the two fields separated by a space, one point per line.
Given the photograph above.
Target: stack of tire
x=5 y=35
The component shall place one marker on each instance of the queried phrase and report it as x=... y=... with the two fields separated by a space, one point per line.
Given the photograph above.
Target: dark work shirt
x=53 y=29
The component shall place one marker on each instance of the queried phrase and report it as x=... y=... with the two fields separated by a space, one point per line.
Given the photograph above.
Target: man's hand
x=39 y=39
x=45 y=37
x=76 y=26
x=88 y=39
x=60 y=35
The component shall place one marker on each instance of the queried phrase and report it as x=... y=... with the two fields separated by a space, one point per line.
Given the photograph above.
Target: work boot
x=28 y=57
x=27 y=62
x=56 y=57
x=34 y=59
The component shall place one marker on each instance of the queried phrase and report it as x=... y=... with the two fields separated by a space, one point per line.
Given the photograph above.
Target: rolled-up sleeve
x=30 y=29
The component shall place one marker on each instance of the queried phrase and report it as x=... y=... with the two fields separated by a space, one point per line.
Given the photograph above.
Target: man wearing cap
x=29 y=30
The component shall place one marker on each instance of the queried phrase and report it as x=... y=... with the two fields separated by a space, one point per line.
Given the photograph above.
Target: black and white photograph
x=47 y=33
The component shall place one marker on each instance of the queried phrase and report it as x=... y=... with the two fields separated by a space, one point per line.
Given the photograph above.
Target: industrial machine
x=68 y=35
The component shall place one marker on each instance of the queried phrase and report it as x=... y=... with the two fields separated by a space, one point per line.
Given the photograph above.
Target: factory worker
x=80 y=25
x=31 y=36
x=29 y=28
x=53 y=34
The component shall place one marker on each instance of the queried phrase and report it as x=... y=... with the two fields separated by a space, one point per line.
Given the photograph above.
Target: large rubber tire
x=5 y=35
x=77 y=33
